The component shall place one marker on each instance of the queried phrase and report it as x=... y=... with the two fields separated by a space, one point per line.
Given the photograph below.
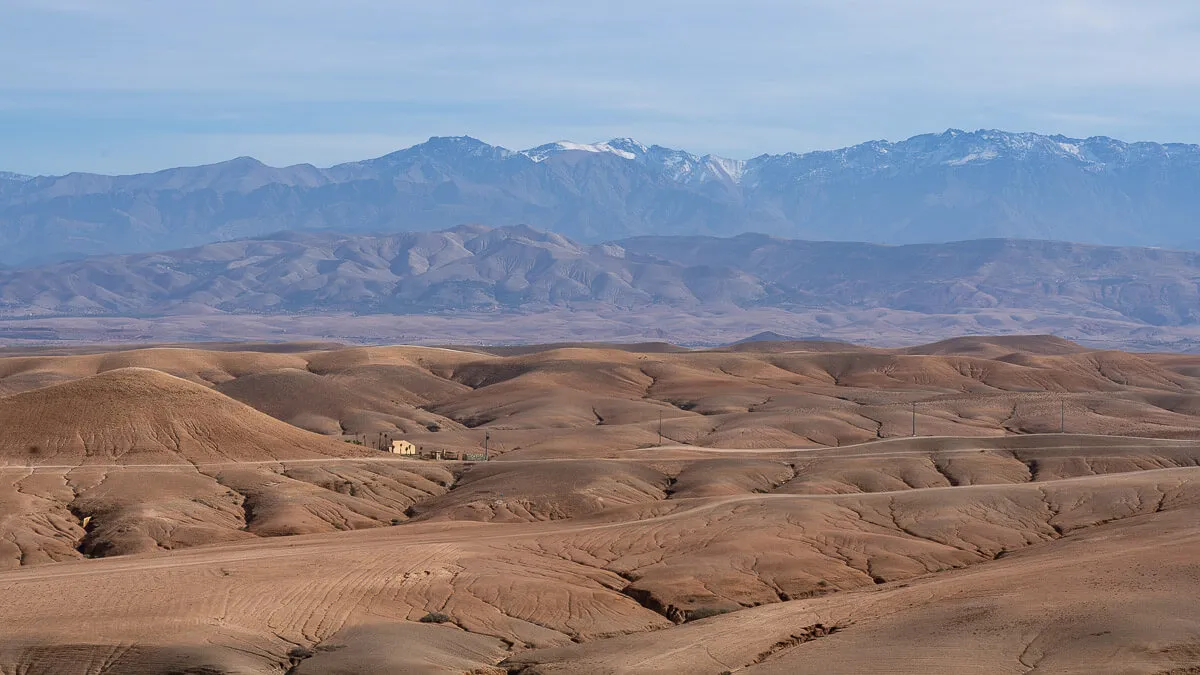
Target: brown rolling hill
x=210 y=469
x=201 y=511
x=555 y=596
x=790 y=395
x=1102 y=601
x=145 y=416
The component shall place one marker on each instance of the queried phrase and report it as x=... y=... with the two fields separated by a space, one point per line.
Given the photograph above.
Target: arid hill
x=555 y=595
x=522 y=269
x=145 y=416
x=788 y=521
x=764 y=394
x=208 y=469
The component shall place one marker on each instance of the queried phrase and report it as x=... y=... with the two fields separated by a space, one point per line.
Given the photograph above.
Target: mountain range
x=928 y=189
x=521 y=269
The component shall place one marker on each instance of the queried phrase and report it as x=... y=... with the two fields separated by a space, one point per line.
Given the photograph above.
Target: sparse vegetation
x=705 y=612
x=435 y=617
x=299 y=653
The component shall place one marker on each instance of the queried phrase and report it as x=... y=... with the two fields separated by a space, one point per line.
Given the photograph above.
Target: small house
x=403 y=448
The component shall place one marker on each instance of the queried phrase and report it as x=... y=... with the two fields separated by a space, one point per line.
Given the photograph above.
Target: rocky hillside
x=475 y=268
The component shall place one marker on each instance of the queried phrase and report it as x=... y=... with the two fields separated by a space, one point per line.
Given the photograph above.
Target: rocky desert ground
x=763 y=508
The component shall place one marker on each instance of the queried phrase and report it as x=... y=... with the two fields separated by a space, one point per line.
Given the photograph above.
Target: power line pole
x=487 y=436
x=914 y=411
x=660 y=427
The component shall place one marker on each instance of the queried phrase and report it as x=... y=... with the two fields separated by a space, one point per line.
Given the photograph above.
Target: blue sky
x=121 y=86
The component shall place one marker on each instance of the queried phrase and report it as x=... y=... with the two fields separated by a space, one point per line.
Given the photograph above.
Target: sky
x=123 y=86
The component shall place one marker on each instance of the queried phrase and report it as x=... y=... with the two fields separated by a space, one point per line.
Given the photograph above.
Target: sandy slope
x=226 y=540
x=551 y=583
x=1105 y=600
x=145 y=416
x=759 y=395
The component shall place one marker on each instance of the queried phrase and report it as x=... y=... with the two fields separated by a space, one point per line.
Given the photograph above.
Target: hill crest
x=145 y=416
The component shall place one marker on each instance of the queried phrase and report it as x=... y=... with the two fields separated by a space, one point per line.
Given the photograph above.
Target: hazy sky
x=134 y=85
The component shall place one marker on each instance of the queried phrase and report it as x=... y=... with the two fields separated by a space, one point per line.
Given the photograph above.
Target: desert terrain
x=978 y=505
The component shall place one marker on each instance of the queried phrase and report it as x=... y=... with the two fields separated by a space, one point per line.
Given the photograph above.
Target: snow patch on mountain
x=675 y=165
x=628 y=145
x=953 y=147
x=973 y=157
x=1071 y=149
x=544 y=152
x=733 y=168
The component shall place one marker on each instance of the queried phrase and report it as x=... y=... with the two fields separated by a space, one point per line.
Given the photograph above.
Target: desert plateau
x=1018 y=504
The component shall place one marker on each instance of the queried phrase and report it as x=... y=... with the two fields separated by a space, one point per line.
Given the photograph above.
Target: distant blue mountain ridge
x=931 y=188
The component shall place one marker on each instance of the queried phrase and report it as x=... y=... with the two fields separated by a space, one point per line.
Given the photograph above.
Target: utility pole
x=914 y=406
x=660 y=427
x=487 y=436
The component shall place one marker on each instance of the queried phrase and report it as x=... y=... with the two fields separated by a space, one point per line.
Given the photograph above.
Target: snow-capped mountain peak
x=623 y=148
x=952 y=183
x=627 y=145
x=675 y=165
x=18 y=177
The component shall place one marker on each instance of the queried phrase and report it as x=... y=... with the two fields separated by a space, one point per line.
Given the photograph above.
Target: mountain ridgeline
x=932 y=188
x=477 y=268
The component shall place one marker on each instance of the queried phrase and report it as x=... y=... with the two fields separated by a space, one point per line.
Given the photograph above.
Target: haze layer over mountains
x=427 y=244
x=703 y=290
x=931 y=188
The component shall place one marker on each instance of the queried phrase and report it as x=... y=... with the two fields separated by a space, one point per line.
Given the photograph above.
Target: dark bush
x=435 y=617
x=299 y=653
x=705 y=612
